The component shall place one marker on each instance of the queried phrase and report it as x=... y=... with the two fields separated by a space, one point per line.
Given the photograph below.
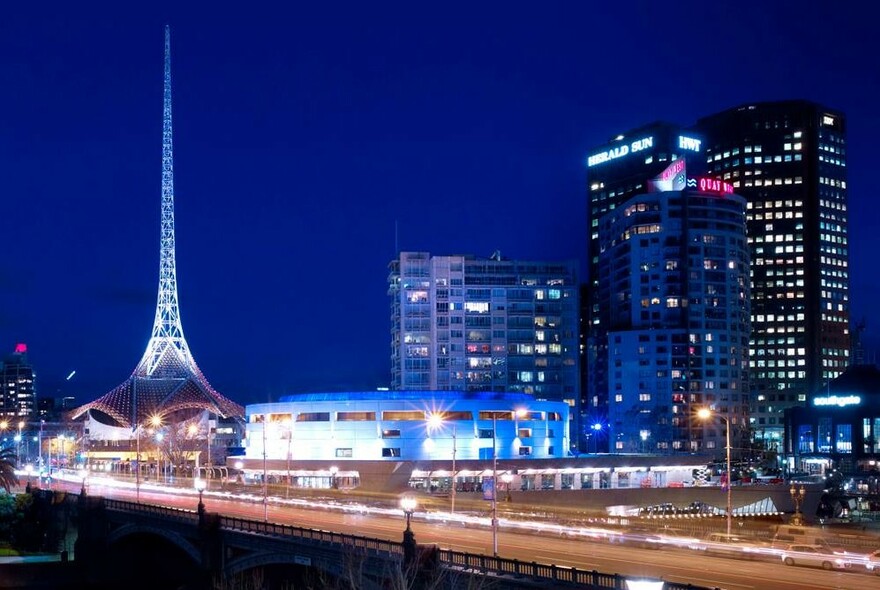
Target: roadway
x=670 y=563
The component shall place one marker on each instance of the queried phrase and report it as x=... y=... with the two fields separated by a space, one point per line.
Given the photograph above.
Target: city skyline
x=311 y=150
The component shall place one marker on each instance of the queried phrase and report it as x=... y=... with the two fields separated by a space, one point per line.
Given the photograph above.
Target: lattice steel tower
x=167 y=379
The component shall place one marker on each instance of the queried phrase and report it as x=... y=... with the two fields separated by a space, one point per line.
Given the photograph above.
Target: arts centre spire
x=167 y=380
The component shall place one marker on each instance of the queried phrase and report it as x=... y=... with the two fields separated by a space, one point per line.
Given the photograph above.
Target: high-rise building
x=617 y=171
x=17 y=390
x=788 y=159
x=673 y=298
x=476 y=324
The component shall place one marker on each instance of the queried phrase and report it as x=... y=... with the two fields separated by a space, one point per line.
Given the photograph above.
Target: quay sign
x=621 y=151
x=837 y=400
x=710 y=185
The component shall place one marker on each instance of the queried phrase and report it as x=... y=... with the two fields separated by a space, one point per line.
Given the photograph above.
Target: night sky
x=303 y=136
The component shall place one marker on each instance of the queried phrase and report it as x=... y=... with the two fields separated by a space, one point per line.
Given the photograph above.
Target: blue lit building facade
x=396 y=440
x=672 y=297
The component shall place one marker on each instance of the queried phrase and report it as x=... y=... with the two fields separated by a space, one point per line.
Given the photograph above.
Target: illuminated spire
x=167 y=337
x=167 y=380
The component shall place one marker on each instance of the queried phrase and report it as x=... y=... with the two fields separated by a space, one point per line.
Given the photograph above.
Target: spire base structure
x=167 y=379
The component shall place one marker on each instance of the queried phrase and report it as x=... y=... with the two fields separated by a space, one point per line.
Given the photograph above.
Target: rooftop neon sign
x=837 y=400
x=710 y=185
x=621 y=151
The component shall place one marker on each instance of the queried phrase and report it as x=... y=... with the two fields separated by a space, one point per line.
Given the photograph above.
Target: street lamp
x=199 y=485
x=265 y=473
x=797 y=495
x=435 y=421
x=289 y=424
x=519 y=413
x=705 y=414
x=494 y=485
x=408 y=505
x=84 y=475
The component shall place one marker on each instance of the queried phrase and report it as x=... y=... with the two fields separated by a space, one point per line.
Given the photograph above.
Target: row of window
x=408 y=416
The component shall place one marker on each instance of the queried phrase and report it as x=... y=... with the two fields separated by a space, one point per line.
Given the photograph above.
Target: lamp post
x=137 y=463
x=435 y=421
x=797 y=496
x=494 y=486
x=18 y=442
x=408 y=505
x=84 y=475
x=289 y=423
x=265 y=473
x=199 y=485
x=705 y=414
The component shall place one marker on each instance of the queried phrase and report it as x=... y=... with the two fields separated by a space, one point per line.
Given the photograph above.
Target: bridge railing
x=284 y=530
x=483 y=564
x=177 y=514
x=500 y=566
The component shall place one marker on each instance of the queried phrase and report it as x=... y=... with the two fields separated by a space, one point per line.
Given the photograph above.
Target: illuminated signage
x=671 y=179
x=621 y=151
x=827 y=120
x=689 y=143
x=837 y=400
x=710 y=185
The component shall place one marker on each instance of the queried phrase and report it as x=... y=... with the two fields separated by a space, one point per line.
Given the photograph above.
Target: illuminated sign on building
x=671 y=179
x=837 y=400
x=710 y=185
x=620 y=151
x=689 y=143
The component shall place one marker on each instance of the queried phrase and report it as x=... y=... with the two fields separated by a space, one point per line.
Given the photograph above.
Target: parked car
x=814 y=556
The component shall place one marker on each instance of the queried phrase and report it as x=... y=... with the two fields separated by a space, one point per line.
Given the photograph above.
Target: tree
x=7 y=469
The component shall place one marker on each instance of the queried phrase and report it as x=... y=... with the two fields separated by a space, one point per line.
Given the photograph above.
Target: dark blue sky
x=302 y=135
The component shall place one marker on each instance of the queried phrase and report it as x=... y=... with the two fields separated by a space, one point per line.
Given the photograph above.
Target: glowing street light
x=517 y=414
x=797 y=495
x=435 y=422
x=408 y=505
x=705 y=414
x=199 y=485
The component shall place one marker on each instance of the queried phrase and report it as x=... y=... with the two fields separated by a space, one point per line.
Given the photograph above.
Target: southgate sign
x=837 y=400
x=621 y=151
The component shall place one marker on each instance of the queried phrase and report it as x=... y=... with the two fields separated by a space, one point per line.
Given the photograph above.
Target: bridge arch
x=172 y=537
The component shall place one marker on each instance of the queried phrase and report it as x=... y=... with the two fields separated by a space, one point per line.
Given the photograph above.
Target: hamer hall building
x=395 y=440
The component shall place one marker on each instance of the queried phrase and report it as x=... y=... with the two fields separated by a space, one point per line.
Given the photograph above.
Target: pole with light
x=289 y=424
x=265 y=472
x=4 y=424
x=494 y=486
x=137 y=463
x=18 y=441
x=705 y=414
x=199 y=485
x=408 y=505
x=435 y=421
x=797 y=496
